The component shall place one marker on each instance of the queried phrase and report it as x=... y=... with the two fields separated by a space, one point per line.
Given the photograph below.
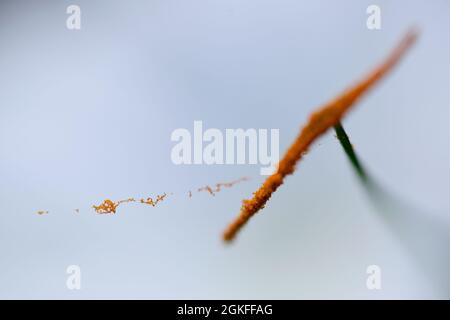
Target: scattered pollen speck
x=126 y=201
x=152 y=202
x=106 y=207
x=221 y=185
x=109 y=206
x=208 y=189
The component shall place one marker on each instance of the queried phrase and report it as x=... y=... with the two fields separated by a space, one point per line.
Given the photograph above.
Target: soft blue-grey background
x=87 y=115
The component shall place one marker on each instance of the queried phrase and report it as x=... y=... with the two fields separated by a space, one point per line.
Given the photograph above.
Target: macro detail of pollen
x=319 y=122
x=109 y=206
x=218 y=187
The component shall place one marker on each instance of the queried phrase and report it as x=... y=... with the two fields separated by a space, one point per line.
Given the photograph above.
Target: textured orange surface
x=319 y=122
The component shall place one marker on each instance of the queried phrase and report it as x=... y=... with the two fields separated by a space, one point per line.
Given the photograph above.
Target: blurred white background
x=87 y=115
